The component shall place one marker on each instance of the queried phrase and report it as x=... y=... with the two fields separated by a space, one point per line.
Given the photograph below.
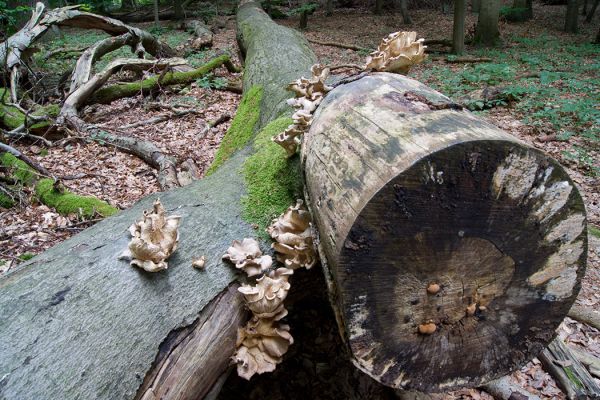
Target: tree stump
x=455 y=250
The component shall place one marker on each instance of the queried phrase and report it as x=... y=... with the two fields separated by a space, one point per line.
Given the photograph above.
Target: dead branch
x=504 y=389
x=346 y=66
x=586 y=315
x=39 y=168
x=340 y=45
x=26 y=136
x=83 y=68
x=568 y=372
x=108 y=94
x=69 y=112
x=214 y=123
x=143 y=149
x=591 y=362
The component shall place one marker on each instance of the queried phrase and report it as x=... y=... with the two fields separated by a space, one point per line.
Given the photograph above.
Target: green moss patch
x=592 y=230
x=241 y=129
x=21 y=172
x=6 y=201
x=273 y=181
x=10 y=117
x=26 y=256
x=66 y=202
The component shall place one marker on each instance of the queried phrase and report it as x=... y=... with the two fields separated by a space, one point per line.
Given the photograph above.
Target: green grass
x=66 y=202
x=273 y=181
x=242 y=127
x=562 y=95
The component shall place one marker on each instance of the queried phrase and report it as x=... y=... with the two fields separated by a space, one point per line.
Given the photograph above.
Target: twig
x=212 y=124
x=24 y=135
x=25 y=159
x=340 y=45
x=340 y=66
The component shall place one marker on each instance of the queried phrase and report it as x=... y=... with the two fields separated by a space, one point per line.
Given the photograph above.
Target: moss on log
x=66 y=202
x=88 y=325
x=12 y=118
x=111 y=93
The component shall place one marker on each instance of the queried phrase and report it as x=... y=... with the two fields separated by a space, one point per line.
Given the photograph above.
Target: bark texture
x=87 y=325
x=487 y=32
x=409 y=190
x=458 y=30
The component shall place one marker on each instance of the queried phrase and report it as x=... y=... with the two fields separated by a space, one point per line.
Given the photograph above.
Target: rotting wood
x=408 y=189
x=570 y=374
x=591 y=362
x=504 y=389
x=340 y=45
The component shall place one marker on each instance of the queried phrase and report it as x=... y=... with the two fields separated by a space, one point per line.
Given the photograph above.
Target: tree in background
x=475 y=6
x=178 y=8
x=403 y=7
x=487 y=32
x=572 y=16
x=458 y=31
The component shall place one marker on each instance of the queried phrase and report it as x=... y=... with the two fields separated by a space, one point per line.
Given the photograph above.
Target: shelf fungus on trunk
x=308 y=94
x=397 y=53
x=247 y=256
x=262 y=343
x=293 y=236
x=154 y=239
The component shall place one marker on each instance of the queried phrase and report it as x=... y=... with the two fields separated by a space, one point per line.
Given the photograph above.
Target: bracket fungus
x=397 y=53
x=308 y=94
x=265 y=300
x=292 y=233
x=261 y=345
x=154 y=239
x=246 y=255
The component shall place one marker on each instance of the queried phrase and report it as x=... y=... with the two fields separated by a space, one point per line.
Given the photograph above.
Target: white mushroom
x=154 y=239
x=265 y=300
x=397 y=53
x=246 y=255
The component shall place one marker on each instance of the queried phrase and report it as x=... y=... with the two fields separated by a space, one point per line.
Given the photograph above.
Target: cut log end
x=498 y=226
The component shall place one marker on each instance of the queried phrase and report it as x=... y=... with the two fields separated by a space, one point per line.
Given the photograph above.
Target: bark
x=178 y=10
x=487 y=32
x=590 y=15
x=156 y=20
x=458 y=31
x=569 y=373
x=475 y=6
x=378 y=7
x=586 y=315
x=404 y=11
x=572 y=16
x=408 y=189
x=94 y=323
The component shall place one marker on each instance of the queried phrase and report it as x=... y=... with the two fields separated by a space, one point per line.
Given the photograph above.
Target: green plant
x=307 y=8
x=209 y=81
x=10 y=16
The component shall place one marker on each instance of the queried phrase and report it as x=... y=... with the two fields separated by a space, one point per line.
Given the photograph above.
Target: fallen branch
x=586 y=315
x=62 y=50
x=504 y=389
x=37 y=167
x=340 y=45
x=591 y=362
x=108 y=94
x=346 y=66
x=212 y=124
x=568 y=372
x=143 y=149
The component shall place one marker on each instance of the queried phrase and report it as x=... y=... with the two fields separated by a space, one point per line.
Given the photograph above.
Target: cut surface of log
x=412 y=193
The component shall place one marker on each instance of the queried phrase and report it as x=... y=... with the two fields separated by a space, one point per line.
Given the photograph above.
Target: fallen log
x=586 y=315
x=454 y=249
x=87 y=325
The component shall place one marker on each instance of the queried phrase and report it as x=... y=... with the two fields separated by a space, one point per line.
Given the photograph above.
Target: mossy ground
x=6 y=201
x=592 y=230
x=242 y=127
x=66 y=202
x=273 y=181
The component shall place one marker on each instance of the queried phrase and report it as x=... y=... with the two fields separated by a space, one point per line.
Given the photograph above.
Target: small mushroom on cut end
x=433 y=288
x=471 y=308
x=247 y=256
x=199 y=262
x=397 y=53
x=154 y=239
x=427 y=329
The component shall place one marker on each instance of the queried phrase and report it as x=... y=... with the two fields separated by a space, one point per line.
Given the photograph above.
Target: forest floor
x=551 y=81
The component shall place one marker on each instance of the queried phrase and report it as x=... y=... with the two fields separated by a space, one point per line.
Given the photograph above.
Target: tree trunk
x=403 y=7
x=328 y=8
x=487 y=32
x=179 y=12
x=475 y=6
x=590 y=15
x=597 y=40
x=572 y=16
x=87 y=325
x=378 y=7
x=438 y=228
x=458 y=32
x=128 y=5
x=521 y=10
x=156 y=20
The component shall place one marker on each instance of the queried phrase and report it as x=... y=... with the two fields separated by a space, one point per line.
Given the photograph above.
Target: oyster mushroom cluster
x=154 y=239
x=264 y=340
x=308 y=94
x=247 y=256
x=397 y=53
x=292 y=233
